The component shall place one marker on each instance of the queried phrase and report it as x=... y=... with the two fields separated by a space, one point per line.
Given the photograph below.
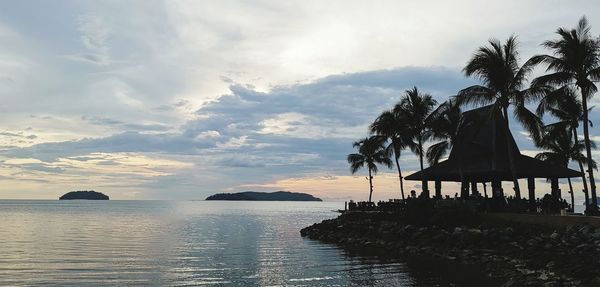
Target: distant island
x=264 y=196
x=84 y=194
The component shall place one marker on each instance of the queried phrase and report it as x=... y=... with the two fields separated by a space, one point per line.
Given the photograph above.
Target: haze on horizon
x=183 y=99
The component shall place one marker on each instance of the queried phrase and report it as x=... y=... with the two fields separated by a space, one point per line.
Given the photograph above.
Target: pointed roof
x=480 y=153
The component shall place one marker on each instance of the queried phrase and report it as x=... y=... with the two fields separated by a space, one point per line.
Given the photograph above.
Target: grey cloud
x=102 y=121
x=123 y=142
x=339 y=106
x=42 y=168
x=107 y=162
x=9 y=134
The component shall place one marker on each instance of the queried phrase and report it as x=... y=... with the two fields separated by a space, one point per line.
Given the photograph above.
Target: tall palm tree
x=444 y=125
x=497 y=66
x=416 y=108
x=575 y=62
x=561 y=149
x=393 y=127
x=371 y=151
x=564 y=105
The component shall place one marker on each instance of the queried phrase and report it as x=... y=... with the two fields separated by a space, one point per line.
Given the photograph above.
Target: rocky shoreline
x=509 y=253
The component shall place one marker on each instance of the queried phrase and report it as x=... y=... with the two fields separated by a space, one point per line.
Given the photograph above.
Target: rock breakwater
x=511 y=254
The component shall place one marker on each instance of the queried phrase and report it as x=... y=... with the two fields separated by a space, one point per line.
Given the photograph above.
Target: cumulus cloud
x=252 y=136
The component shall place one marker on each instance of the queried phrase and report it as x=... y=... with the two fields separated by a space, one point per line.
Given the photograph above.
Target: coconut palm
x=564 y=105
x=561 y=149
x=444 y=126
x=371 y=151
x=416 y=108
x=503 y=79
x=574 y=62
x=393 y=126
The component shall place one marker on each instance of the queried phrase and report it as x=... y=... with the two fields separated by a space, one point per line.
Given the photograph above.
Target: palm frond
x=476 y=95
x=436 y=151
x=530 y=121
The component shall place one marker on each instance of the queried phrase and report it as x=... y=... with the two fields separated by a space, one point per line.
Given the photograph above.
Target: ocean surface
x=183 y=243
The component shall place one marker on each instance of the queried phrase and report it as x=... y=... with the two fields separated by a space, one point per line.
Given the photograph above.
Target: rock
x=586 y=229
x=524 y=254
x=474 y=230
x=510 y=283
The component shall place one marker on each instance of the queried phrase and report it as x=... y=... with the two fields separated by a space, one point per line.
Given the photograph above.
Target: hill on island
x=84 y=194
x=264 y=196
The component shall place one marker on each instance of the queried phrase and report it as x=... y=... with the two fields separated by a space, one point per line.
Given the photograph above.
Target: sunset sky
x=182 y=99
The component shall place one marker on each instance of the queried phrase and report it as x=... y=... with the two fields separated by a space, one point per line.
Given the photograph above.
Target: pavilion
x=480 y=154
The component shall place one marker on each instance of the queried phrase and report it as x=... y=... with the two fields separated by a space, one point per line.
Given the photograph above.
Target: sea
x=187 y=243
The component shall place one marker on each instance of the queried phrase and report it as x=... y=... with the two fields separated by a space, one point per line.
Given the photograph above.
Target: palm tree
x=416 y=108
x=497 y=66
x=574 y=62
x=371 y=151
x=563 y=105
x=393 y=126
x=444 y=125
x=561 y=149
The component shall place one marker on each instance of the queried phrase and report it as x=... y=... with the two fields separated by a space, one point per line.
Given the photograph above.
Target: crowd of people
x=547 y=205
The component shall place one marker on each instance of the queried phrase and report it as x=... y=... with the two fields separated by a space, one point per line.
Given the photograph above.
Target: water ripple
x=161 y=243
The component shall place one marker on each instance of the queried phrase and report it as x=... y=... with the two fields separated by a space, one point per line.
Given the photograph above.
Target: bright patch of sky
x=181 y=99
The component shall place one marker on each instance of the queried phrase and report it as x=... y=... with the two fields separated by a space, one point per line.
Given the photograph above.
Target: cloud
x=245 y=93
x=298 y=129
x=251 y=136
x=94 y=36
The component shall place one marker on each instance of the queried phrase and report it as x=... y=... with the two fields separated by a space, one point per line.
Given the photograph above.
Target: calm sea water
x=188 y=243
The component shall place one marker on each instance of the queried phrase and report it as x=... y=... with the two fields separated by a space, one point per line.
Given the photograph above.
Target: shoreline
x=508 y=251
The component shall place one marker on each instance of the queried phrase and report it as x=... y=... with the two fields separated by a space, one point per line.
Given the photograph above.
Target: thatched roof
x=480 y=153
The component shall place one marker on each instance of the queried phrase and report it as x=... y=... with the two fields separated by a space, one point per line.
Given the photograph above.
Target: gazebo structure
x=480 y=154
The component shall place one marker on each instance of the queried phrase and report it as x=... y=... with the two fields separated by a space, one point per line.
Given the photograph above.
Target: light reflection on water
x=191 y=243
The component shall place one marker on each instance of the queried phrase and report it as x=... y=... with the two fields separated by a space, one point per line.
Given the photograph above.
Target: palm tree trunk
x=582 y=170
x=511 y=159
x=400 y=176
x=424 y=187
x=370 y=185
x=588 y=148
x=572 y=196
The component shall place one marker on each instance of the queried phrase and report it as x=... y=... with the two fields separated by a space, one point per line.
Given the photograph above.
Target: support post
x=531 y=187
x=474 y=190
x=554 y=188
x=438 y=189
x=485 y=189
x=464 y=189
x=497 y=191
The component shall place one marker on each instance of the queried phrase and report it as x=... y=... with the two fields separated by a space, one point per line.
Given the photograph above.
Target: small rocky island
x=84 y=194
x=264 y=196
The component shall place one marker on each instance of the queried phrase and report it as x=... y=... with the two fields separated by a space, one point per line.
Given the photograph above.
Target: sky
x=182 y=99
